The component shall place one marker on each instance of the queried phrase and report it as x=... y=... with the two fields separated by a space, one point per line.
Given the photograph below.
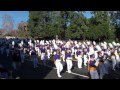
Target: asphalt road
x=26 y=70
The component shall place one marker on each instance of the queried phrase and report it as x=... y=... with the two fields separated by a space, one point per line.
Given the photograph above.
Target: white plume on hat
x=47 y=42
x=75 y=42
x=30 y=40
x=111 y=46
x=83 y=45
x=114 y=43
x=88 y=42
x=98 y=48
x=19 y=44
x=67 y=44
x=117 y=44
x=91 y=50
x=94 y=43
x=105 y=43
x=102 y=44
x=22 y=42
x=13 y=43
x=55 y=46
x=105 y=46
x=79 y=43
x=37 y=41
x=115 y=52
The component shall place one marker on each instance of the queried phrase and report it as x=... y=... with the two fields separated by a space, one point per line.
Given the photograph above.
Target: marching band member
x=58 y=63
x=68 y=58
x=92 y=68
x=79 y=58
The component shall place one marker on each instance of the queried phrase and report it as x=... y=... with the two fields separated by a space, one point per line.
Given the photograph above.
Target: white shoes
x=69 y=71
x=59 y=76
x=79 y=67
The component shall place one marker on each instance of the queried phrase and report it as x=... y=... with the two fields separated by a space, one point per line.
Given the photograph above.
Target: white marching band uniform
x=58 y=64
x=69 y=62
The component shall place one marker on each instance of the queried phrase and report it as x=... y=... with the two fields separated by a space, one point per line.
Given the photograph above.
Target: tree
x=23 y=30
x=101 y=25
x=78 y=26
x=44 y=23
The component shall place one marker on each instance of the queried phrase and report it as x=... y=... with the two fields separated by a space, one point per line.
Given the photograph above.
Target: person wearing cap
x=79 y=58
x=57 y=62
x=68 y=58
x=92 y=67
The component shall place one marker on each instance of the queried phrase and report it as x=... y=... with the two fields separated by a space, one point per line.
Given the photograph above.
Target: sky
x=19 y=16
